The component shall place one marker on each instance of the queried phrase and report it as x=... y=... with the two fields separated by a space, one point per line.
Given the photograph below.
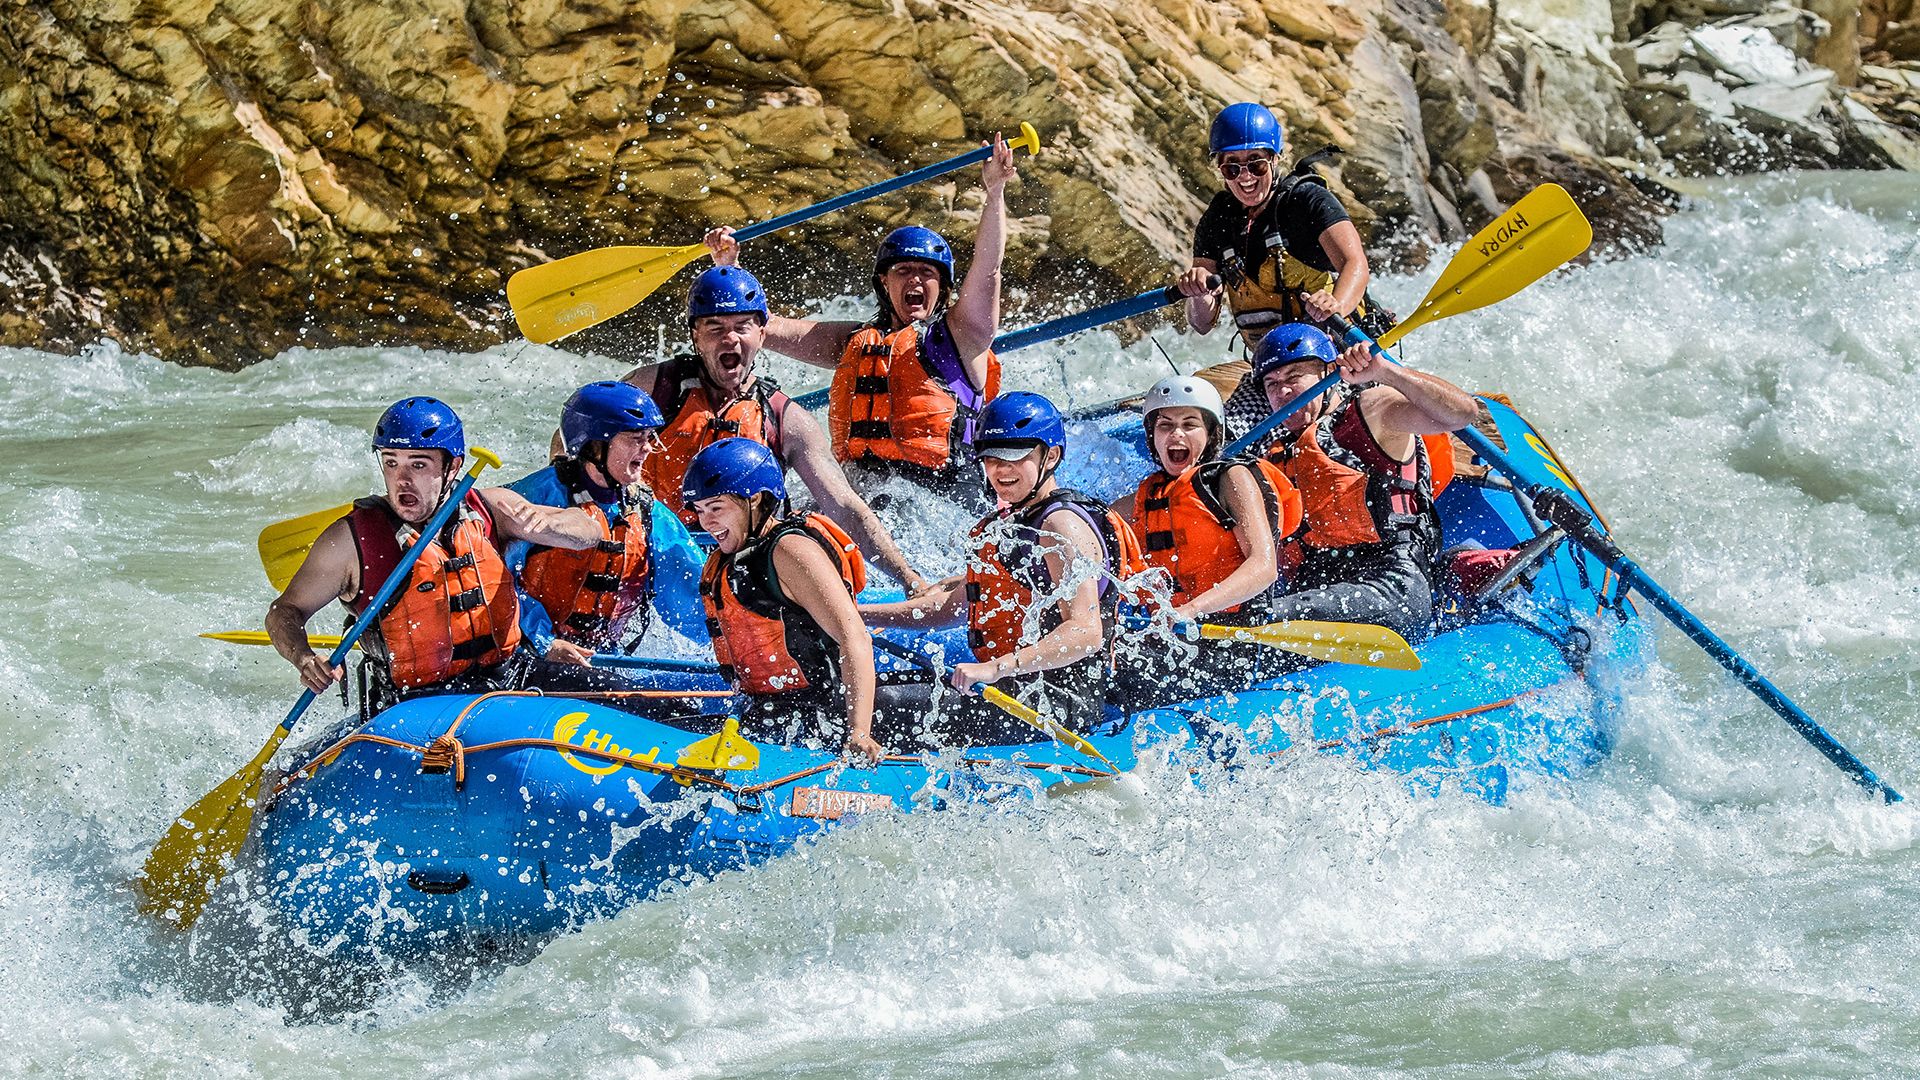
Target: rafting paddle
x=1536 y=235
x=1558 y=506
x=284 y=544
x=190 y=859
x=1341 y=642
x=568 y=295
x=1053 y=329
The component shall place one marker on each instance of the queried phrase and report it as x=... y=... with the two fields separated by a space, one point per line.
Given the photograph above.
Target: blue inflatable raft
x=462 y=818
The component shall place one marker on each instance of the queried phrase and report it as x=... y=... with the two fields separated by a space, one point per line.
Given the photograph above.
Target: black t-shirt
x=1299 y=215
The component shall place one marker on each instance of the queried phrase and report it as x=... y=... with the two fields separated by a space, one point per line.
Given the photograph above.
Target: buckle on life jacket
x=973 y=592
x=731 y=427
x=609 y=547
x=475 y=649
x=1160 y=503
x=876 y=348
x=600 y=581
x=871 y=429
x=466 y=601
x=586 y=624
x=455 y=565
x=1158 y=541
x=870 y=384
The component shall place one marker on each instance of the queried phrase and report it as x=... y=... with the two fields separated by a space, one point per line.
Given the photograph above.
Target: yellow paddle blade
x=558 y=298
x=1344 y=643
x=722 y=751
x=1535 y=235
x=259 y=637
x=284 y=544
x=191 y=858
x=1014 y=708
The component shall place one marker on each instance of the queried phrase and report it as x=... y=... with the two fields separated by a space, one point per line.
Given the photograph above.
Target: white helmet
x=1190 y=391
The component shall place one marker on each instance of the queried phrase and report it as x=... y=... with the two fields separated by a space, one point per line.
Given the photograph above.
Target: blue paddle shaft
x=653 y=663
x=871 y=191
x=1559 y=508
x=392 y=585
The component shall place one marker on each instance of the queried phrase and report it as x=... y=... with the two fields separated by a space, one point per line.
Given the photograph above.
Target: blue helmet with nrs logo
x=1013 y=424
x=420 y=423
x=600 y=410
x=733 y=466
x=1291 y=343
x=912 y=243
x=726 y=290
x=1245 y=125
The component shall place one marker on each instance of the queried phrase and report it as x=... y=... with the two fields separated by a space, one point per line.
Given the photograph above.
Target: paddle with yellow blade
x=568 y=295
x=191 y=858
x=284 y=544
x=1536 y=235
x=1340 y=642
x=259 y=637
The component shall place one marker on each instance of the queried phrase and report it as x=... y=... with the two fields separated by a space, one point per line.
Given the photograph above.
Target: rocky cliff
x=218 y=180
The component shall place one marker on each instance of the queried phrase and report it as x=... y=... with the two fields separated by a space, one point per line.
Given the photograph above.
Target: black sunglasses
x=1232 y=169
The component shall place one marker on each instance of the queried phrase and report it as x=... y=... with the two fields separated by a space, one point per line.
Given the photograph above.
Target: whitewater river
x=1744 y=405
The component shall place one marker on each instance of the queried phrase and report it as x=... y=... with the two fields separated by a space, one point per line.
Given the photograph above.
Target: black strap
x=601 y=582
x=872 y=429
x=466 y=601
x=870 y=384
x=1158 y=541
x=475 y=649
x=457 y=564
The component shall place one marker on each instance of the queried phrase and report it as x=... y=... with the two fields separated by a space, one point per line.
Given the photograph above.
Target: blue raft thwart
x=458 y=817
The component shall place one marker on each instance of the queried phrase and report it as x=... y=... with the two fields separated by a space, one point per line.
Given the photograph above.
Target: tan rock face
x=218 y=180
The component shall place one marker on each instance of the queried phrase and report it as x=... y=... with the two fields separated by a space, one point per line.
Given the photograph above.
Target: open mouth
x=1178 y=457
x=408 y=500
x=730 y=361
x=915 y=298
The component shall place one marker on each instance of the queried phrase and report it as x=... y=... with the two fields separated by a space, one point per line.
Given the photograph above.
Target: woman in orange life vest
x=1213 y=527
x=576 y=603
x=1369 y=458
x=455 y=625
x=1283 y=247
x=1040 y=589
x=779 y=598
x=908 y=383
x=714 y=394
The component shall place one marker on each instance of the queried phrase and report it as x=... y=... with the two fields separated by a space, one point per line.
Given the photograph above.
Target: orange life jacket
x=1353 y=495
x=1186 y=527
x=591 y=593
x=1007 y=569
x=457 y=610
x=694 y=423
x=905 y=396
x=766 y=643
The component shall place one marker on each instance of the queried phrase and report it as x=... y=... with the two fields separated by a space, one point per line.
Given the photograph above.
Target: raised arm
x=331 y=572
x=807 y=451
x=549 y=526
x=943 y=604
x=974 y=316
x=1203 y=300
x=1404 y=402
x=810 y=341
x=810 y=580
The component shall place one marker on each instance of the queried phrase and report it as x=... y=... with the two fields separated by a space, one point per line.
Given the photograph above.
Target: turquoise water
x=1716 y=900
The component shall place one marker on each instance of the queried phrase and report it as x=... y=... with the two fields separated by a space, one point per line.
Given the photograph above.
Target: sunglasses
x=1232 y=169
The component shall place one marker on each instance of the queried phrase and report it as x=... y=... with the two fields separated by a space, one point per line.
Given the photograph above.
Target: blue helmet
x=1246 y=125
x=1018 y=421
x=1291 y=342
x=600 y=410
x=911 y=243
x=420 y=423
x=726 y=290
x=734 y=466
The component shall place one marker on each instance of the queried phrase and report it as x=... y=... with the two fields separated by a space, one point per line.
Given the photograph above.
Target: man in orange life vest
x=715 y=394
x=457 y=622
x=909 y=383
x=1368 y=458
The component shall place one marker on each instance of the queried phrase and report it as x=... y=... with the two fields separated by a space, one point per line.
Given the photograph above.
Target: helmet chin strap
x=1040 y=481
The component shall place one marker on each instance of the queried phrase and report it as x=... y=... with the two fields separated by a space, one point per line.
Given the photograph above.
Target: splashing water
x=1714 y=900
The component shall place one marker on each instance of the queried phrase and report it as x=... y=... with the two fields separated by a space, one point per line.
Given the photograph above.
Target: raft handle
x=438 y=882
